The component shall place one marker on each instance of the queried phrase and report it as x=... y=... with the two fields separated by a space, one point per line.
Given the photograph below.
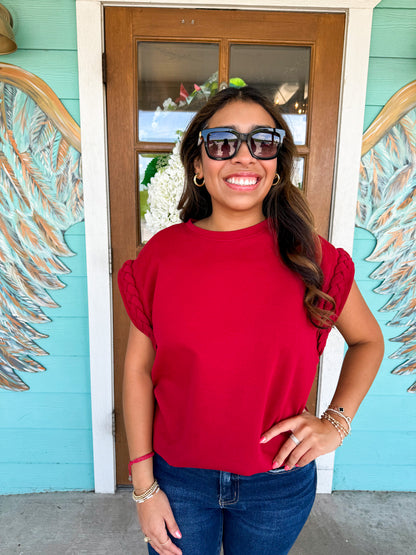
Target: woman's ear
x=198 y=167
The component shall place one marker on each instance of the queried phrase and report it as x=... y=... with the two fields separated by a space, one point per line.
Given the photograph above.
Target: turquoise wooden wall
x=45 y=432
x=381 y=452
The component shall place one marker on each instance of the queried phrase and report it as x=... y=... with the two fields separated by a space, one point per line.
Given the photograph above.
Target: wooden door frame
x=126 y=28
x=97 y=225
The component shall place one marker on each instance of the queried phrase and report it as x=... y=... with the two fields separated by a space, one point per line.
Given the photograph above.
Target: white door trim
x=97 y=225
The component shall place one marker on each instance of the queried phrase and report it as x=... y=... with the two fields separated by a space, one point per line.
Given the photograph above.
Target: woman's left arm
x=361 y=363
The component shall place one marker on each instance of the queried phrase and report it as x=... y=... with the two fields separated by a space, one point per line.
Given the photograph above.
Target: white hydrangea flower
x=164 y=191
x=168 y=104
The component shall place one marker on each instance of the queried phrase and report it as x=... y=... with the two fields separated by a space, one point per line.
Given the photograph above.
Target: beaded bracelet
x=340 y=429
x=139 y=459
x=148 y=494
x=334 y=420
x=340 y=412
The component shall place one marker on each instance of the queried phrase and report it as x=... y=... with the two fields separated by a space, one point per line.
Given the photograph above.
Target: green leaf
x=156 y=164
x=237 y=82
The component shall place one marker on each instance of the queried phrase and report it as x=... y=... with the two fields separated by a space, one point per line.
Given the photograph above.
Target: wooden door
x=143 y=46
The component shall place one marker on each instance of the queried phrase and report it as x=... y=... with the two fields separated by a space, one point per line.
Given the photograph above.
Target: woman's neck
x=213 y=223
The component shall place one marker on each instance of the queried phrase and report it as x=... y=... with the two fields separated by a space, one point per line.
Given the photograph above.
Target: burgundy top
x=235 y=351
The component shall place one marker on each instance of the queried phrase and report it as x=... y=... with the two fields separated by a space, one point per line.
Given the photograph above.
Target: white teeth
x=242 y=180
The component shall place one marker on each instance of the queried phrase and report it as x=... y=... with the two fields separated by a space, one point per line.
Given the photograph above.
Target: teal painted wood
x=78 y=263
x=70 y=336
x=395 y=4
x=380 y=454
x=77 y=229
x=50 y=425
x=391 y=385
x=55 y=27
x=372 y=477
x=393 y=413
x=63 y=374
x=371 y=112
x=364 y=242
x=28 y=478
x=58 y=68
x=386 y=76
x=72 y=105
x=375 y=445
x=61 y=446
x=393 y=33
x=45 y=410
x=72 y=299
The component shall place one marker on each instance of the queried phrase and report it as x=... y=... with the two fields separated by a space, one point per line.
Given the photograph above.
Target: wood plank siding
x=45 y=432
x=381 y=452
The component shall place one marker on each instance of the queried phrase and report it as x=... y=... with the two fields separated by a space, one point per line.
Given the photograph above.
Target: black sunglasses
x=222 y=143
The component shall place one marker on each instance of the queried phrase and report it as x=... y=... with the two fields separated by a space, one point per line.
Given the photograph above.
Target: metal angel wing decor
x=387 y=208
x=40 y=198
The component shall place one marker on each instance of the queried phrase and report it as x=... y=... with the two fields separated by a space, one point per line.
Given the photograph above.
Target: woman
x=230 y=311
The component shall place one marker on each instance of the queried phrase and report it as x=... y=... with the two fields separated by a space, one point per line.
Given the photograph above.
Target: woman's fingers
x=315 y=439
x=289 y=454
x=156 y=519
x=172 y=525
x=309 y=438
x=165 y=547
x=283 y=426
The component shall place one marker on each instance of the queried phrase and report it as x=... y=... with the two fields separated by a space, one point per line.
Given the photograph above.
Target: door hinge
x=110 y=261
x=113 y=425
x=104 y=67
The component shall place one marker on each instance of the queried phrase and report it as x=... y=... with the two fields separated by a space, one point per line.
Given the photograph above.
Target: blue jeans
x=260 y=514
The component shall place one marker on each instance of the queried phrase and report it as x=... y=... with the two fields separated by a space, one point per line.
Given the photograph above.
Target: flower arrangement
x=164 y=191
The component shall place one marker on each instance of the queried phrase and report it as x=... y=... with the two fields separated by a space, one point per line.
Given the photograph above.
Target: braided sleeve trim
x=339 y=288
x=132 y=302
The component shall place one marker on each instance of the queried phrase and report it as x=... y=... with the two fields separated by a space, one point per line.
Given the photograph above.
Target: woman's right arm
x=155 y=514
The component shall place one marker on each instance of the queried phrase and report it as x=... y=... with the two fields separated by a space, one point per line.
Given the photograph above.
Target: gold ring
x=147 y=539
x=164 y=542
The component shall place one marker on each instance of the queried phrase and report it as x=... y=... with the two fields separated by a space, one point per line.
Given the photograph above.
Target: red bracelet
x=140 y=459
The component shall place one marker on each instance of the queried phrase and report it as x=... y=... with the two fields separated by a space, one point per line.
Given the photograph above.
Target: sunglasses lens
x=265 y=144
x=221 y=144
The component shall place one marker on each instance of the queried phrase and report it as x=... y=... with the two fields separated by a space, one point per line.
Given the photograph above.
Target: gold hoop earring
x=276 y=180
x=199 y=181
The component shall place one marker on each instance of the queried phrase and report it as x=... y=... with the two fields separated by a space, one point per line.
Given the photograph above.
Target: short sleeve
x=338 y=269
x=133 y=294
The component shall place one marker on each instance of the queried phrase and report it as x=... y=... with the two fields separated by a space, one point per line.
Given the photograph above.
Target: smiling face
x=239 y=185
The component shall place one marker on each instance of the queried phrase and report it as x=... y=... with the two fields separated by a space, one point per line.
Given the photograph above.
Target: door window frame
x=90 y=33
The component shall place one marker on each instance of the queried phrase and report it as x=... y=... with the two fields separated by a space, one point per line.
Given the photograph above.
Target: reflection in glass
x=143 y=183
x=160 y=185
x=174 y=82
x=282 y=74
x=298 y=172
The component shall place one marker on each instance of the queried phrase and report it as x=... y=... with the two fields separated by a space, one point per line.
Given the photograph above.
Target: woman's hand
x=155 y=515
x=316 y=437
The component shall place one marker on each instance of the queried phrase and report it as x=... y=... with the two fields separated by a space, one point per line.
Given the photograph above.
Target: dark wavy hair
x=290 y=219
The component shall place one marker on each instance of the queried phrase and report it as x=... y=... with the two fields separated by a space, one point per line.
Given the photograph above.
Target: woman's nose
x=243 y=155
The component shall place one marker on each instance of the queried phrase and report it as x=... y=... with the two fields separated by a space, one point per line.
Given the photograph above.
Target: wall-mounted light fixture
x=7 y=40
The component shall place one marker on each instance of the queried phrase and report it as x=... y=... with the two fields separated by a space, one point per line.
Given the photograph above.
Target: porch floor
x=344 y=523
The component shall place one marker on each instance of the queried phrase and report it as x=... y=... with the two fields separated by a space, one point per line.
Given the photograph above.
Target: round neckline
x=228 y=235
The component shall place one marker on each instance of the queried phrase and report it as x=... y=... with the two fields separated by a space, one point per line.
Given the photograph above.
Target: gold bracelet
x=340 y=412
x=148 y=494
x=341 y=431
x=335 y=421
x=346 y=431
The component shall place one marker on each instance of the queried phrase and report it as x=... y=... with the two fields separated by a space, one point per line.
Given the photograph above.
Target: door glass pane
x=175 y=80
x=147 y=168
x=160 y=184
x=282 y=74
x=298 y=172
